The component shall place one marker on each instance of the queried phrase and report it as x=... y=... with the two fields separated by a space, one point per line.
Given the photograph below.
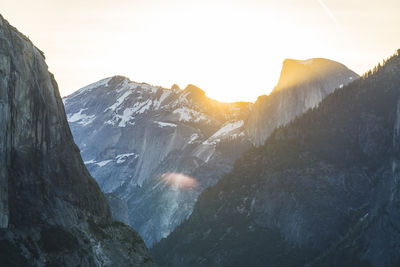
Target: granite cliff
x=52 y=212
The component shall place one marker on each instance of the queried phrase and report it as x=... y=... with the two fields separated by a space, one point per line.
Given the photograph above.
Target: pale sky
x=231 y=49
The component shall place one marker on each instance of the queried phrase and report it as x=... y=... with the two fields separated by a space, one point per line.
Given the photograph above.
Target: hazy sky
x=231 y=49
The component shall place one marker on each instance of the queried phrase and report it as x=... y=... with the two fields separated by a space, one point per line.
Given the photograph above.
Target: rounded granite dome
x=297 y=72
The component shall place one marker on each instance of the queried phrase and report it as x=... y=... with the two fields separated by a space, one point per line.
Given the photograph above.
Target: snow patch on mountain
x=211 y=141
x=92 y=161
x=128 y=114
x=81 y=118
x=186 y=114
x=103 y=163
x=165 y=124
x=122 y=157
x=193 y=138
x=157 y=103
x=145 y=106
x=228 y=128
x=126 y=117
x=119 y=101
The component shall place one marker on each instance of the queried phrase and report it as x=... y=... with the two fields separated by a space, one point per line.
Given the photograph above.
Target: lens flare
x=179 y=180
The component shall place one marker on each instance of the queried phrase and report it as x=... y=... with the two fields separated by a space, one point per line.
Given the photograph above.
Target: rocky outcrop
x=302 y=85
x=133 y=135
x=322 y=191
x=52 y=211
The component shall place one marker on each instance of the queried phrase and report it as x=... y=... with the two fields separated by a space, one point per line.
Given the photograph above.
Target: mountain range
x=153 y=150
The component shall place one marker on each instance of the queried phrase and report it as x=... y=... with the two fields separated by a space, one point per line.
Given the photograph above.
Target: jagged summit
x=117 y=82
x=194 y=92
x=193 y=88
x=298 y=72
x=175 y=87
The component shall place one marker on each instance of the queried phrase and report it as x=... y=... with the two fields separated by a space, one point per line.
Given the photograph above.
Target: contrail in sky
x=328 y=11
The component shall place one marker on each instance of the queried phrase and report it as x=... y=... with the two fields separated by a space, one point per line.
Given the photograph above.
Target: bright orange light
x=179 y=180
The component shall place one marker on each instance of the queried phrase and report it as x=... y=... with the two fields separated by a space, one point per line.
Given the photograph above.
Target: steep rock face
x=137 y=139
x=322 y=191
x=120 y=210
x=302 y=85
x=52 y=211
x=155 y=149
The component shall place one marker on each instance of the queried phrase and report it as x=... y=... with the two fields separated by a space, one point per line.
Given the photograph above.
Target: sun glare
x=230 y=53
x=231 y=49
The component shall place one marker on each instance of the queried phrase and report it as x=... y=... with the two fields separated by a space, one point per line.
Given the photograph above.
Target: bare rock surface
x=52 y=212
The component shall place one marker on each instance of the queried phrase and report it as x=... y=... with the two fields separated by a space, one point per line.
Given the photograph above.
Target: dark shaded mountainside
x=142 y=142
x=52 y=212
x=322 y=191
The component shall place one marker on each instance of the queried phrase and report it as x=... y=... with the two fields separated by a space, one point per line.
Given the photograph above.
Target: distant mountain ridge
x=133 y=135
